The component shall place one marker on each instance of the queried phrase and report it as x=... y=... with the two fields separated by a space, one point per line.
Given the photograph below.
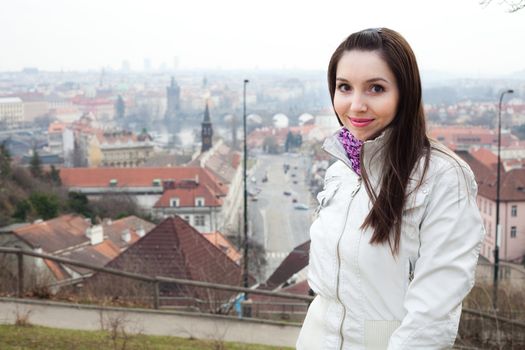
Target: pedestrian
x=396 y=240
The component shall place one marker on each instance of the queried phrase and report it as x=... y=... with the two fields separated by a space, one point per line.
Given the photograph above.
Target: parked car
x=300 y=206
x=294 y=200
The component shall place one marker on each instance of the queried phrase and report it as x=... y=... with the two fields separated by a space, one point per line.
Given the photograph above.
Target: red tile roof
x=56 y=234
x=65 y=236
x=115 y=228
x=187 y=197
x=221 y=242
x=512 y=182
x=485 y=156
x=138 y=177
x=293 y=263
x=175 y=249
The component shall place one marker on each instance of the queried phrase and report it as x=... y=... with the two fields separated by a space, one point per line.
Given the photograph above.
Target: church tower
x=207 y=130
x=173 y=105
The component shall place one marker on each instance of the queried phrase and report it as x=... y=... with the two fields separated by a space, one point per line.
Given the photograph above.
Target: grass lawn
x=35 y=337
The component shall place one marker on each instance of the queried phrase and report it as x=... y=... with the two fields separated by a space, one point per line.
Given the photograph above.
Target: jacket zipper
x=352 y=195
x=354 y=192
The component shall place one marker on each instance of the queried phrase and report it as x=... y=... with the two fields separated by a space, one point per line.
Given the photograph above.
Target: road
x=275 y=222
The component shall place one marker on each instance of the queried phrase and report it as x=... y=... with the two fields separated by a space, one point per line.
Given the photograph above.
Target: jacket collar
x=372 y=152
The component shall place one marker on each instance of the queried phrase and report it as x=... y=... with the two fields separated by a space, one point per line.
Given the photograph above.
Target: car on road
x=300 y=206
x=294 y=200
x=295 y=182
x=287 y=193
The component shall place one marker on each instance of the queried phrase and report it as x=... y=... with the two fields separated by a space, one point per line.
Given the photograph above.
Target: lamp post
x=245 y=243
x=498 y=227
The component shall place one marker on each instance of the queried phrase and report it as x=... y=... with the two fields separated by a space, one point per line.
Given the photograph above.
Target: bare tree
x=513 y=5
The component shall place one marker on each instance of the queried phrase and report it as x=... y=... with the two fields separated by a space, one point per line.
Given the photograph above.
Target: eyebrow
x=368 y=81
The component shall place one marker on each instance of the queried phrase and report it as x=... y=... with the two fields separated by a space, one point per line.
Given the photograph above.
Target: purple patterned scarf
x=353 y=148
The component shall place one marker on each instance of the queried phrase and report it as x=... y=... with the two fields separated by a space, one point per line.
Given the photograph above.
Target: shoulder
x=447 y=169
x=337 y=169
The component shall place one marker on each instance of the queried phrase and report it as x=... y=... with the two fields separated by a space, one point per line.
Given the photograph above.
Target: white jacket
x=370 y=299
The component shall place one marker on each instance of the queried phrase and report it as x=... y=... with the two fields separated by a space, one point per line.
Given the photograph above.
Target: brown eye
x=343 y=87
x=377 y=88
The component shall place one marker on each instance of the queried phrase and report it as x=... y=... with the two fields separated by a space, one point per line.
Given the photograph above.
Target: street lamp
x=498 y=227
x=245 y=243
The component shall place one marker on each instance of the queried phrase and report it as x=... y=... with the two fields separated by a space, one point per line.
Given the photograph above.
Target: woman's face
x=366 y=93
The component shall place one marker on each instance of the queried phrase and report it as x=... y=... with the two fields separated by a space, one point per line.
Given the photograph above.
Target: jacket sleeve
x=451 y=232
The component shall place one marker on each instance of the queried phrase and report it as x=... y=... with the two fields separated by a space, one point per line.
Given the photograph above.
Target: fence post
x=156 y=294
x=20 y=289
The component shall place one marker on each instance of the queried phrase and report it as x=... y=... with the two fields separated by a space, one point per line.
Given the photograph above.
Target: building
x=207 y=131
x=512 y=209
x=101 y=108
x=11 y=112
x=124 y=149
x=73 y=237
x=173 y=105
x=60 y=140
x=35 y=105
x=227 y=247
x=194 y=193
x=175 y=249
x=224 y=163
x=462 y=138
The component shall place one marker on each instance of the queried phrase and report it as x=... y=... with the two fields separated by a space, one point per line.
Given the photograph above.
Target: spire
x=207 y=114
x=207 y=130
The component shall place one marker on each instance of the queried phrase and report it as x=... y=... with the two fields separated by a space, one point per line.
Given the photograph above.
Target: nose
x=358 y=103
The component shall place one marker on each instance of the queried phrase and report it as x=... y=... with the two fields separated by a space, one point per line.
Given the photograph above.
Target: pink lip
x=360 y=122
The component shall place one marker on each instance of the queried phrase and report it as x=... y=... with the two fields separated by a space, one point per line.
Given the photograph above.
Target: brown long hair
x=407 y=141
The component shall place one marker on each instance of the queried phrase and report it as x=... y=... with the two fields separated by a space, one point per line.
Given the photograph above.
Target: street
x=280 y=221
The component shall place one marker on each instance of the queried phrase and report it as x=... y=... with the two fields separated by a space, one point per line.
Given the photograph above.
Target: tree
x=513 y=5
x=46 y=205
x=22 y=210
x=54 y=176
x=79 y=203
x=120 y=108
x=36 y=165
x=5 y=160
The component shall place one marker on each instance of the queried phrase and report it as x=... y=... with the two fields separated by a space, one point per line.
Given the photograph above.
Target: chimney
x=96 y=234
x=126 y=235
x=141 y=232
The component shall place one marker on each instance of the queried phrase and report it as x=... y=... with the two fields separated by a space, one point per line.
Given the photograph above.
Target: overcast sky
x=457 y=36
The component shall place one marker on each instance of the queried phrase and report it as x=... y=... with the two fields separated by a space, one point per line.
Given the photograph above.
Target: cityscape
x=151 y=193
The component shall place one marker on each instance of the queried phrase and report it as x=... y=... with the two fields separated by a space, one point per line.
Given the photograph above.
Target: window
x=514 y=211
x=174 y=202
x=200 y=220
x=186 y=218
x=490 y=208
x=113 y=183
x=169 y=184
x=156 y=182
x=513 y=232
x=199 y=202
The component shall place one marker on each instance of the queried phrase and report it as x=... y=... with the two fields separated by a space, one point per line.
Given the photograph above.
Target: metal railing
x=20 y=253
x=155 y=281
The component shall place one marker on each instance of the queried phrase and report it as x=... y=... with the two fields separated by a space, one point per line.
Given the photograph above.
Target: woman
x=395 y=245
